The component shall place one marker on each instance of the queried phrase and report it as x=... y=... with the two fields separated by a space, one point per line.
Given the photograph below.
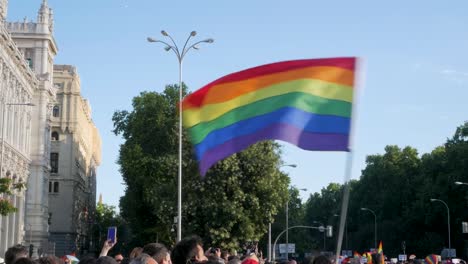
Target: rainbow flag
x=369 y=258
x=307 y=103
x=381 y=254
x=431 y=259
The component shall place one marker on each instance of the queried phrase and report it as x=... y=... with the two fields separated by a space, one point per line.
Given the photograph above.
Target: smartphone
x=112 y=234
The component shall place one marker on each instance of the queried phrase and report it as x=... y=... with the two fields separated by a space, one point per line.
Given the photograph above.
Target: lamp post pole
x=448 y=220
x=4 y=109
x=287 y=215
x=375 y=225
x=269 y=224
x=180 y=57
x=346 y=231
x=324 y=238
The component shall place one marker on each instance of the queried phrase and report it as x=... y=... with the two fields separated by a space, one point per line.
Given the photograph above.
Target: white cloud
x=452 y=72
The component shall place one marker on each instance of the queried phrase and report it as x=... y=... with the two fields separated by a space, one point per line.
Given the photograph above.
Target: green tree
x=398 y=185
x=7 y=187
x=106 y=216
x=322 y=208
x=231 y=205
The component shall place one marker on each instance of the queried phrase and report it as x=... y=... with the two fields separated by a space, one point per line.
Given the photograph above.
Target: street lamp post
x=287 y=217
x=448 y=219
x=180 y=57
x=375 y=224
x=346 y=231
x=269 y=224
x=324 y=233
x=3 y=131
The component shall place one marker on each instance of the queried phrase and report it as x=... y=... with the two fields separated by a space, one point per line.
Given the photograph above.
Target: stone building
x=18 y=86
x=36 y=42
x=34 y=120
x=75 y=155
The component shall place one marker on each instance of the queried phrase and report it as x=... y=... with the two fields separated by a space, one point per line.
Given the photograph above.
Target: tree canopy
x=231 y=205
x=398 y=186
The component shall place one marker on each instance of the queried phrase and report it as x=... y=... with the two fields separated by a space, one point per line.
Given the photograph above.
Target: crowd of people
x=187 y=251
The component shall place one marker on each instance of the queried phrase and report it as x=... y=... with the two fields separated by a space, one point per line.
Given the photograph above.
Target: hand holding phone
x=110 y=242
x=112 y=234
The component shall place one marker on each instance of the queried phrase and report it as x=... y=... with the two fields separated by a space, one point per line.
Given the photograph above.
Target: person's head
x=14 y=253
x=321 y=260
x=106 y=260
x=88 y=260
x=118 y=257
x=159 y=252
x=135 y=252
x=225 y=255
x=24 y=261
x=143 y=258
x=49 y=260
x=234 y=260
x=186 y=249
x=251 y=259
x=215 y=260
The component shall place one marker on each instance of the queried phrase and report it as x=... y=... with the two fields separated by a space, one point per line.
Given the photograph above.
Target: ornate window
x=55 y=136
x=54 y=162
x=30 y=62
x=53 y=187
x=56 y=111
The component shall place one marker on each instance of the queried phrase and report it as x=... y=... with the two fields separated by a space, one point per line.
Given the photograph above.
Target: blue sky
x=415 y=55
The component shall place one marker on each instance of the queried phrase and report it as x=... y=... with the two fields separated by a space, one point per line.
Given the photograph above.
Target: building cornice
x=9 y=45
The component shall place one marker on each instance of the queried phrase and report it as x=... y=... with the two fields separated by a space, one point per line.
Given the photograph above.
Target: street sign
x=347 y=253
x=291 y=249
x=448 y=253
x=402 y=257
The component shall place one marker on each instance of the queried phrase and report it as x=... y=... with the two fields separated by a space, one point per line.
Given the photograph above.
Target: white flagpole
x=359 y=81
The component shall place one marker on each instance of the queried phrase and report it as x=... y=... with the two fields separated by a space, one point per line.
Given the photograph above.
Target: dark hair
x=143 y=258
x=88 y=260
x=321 y=260
x=214 y=260
x=106 y=260
x=125 y=261
x=234 y=260
x=185 y=250
x=24 y=261
x=49 y=260
x=14 y=253
x=157 y=251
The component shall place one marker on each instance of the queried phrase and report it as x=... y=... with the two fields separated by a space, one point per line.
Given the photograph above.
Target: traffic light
x=31 y=248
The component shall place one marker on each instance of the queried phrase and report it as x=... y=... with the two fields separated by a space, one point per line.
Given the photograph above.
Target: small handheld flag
x=432 y=259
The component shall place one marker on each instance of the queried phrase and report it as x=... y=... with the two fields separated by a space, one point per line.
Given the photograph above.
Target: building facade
x=18 y=84
x=40 y=113
x=75 y=155
x=36 y=42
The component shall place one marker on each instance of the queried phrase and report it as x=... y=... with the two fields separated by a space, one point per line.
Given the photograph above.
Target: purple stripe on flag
x=284 y=132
